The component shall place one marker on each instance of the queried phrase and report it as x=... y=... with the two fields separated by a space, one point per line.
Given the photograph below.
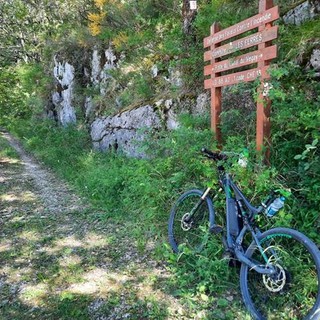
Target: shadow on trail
x=69 y=265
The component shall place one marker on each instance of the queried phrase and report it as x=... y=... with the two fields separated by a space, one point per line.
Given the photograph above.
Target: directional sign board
x=242 y=60
x=243 y=26
x=243 y=43
x=234 y=78
x=236 y=58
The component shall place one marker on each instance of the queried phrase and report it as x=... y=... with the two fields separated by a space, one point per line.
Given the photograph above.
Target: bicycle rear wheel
x=293 y=292
x=190 y=231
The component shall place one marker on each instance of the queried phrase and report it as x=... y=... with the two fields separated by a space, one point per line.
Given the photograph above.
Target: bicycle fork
x=197 y=205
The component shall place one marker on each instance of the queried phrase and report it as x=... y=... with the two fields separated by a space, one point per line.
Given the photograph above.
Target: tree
x=26 y=26
x=188 y=16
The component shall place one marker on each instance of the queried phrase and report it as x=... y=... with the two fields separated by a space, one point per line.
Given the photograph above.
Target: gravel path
x=54 y=193
x=59 y=259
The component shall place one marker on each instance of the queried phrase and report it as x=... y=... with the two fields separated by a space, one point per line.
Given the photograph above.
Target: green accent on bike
x=195 y=208
x=274 y=236
x=228 y=192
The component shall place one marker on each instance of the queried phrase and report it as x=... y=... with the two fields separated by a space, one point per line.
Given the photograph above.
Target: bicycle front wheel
x=293 y=291
x=189 y=221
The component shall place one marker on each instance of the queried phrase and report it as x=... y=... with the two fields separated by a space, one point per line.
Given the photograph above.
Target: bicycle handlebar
x=216 y=156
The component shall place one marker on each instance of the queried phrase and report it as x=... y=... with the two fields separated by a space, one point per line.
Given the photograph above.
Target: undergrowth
x=6 y=150
x=142 y=191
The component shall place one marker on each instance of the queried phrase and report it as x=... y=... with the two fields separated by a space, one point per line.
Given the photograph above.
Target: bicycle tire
x=194 y=233
x=294 y=292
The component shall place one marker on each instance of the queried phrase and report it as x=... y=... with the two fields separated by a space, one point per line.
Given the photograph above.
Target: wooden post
x=215 y=93
x=221 y=63
x=263 y=103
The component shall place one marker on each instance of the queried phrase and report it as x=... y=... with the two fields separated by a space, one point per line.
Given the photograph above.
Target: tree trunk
x=188 y=16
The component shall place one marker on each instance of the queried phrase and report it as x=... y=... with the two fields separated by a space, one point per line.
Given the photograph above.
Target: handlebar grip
x=206 y=151
x=214 y=155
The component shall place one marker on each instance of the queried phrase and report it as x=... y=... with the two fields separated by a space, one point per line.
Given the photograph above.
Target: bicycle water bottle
x=275 y=206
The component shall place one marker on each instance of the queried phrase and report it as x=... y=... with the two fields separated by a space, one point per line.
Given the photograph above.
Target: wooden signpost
x=226 y=57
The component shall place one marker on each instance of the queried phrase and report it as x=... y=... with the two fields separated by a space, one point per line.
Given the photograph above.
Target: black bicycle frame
x=247 y=213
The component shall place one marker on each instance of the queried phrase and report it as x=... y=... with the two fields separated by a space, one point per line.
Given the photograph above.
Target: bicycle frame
x=247 y=212
x=270 y=278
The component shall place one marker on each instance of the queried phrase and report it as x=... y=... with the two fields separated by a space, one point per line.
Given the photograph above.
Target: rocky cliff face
x=310 y=55
x=62 y=97
x=125 y=129
x=101 y=64
x=305 y=11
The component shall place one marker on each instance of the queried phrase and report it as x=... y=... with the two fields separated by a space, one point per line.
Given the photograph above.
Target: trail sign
x=243 y=43
x=241 y=61
x=230 y=65
x=193 y=5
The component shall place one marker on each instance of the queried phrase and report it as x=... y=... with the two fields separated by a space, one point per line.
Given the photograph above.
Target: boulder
x=315 y=60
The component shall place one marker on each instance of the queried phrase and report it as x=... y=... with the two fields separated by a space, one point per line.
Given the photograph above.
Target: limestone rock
x=202 y=105
x=125 y=130
x=305 y=11
x=175 y=77
x=171 y=116
x=99 y=77
x=315 y=60
x=63 y=96
x=154 y=71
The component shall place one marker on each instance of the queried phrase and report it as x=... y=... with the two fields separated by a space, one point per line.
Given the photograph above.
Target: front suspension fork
x=198 y=204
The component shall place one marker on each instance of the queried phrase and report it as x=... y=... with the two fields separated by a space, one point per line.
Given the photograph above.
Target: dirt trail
x=59 y=259
x=55 y=194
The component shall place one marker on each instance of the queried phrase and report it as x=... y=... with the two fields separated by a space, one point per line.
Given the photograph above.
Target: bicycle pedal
x=216 y=229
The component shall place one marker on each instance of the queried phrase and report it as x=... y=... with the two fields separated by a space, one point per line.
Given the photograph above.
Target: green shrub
x=12 y=97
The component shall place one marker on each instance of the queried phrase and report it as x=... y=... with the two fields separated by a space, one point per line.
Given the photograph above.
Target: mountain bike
x=280 y=267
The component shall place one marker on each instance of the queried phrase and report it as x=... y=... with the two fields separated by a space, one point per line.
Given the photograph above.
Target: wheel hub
x=186 y=224
x=277 y=281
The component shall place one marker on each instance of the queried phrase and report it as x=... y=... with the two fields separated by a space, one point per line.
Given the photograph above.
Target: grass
x=102 y=260
x=63 y=266
x=112 y=259
x=6 y=151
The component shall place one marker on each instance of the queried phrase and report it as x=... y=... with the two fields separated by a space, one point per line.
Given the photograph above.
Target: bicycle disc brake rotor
x=277 y=281
x=185 y=224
